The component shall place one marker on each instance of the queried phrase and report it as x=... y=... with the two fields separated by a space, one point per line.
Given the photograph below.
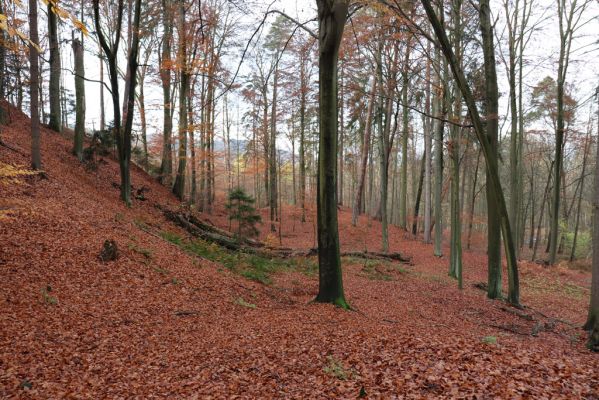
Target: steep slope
x=159 y=323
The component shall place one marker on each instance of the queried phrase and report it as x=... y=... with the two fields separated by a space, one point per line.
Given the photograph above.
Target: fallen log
x=370 y=255
x=226 y=239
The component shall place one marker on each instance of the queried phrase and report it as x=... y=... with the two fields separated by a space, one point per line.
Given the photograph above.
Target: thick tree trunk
x=492 y=125
x=80 y=98
x=332 y=15
x=55 y=122
x=592 y=323
x=166 y=165
x=179 y=186
x=36 y=158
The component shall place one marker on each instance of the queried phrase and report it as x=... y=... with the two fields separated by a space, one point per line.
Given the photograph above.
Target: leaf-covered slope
x=159 y=323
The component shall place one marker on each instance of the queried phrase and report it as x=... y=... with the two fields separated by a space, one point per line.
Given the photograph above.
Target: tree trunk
x=428 y=144
x=166 y=165
x=592 y=323
x=272 y=164
x=3 y=112
x=36 y=158
x=582 y=176
x=364 y=153
x=55 y=122
x=302 y=144
x=331 y=19
x=403 y=190
x=512 y=266
x=80 y=98
x=179 y=186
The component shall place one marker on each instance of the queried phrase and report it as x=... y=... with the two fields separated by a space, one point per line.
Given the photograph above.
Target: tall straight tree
x=55 y=121
x=492 y=128
x=459 y=76
x=79 y=98
x=332 y=15
x=364 y=153
x=3 y=113
x=179 y=186
x=592 y=323
x=569 y=15
x=36 y=158
x=166 y=165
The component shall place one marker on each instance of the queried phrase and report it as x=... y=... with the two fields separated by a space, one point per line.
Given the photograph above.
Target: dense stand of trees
x=423 y=117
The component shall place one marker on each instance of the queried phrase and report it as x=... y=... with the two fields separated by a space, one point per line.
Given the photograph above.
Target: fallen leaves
x=152 y=324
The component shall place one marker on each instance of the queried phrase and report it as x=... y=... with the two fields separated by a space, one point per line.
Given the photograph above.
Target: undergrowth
x=250 y=266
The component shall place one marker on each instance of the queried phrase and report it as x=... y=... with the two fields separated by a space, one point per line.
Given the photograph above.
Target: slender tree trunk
x=428 y=144
x=472 y=201
x=55 y=122
x=541 y=213
x=512 y=266
x=302 y=144
x=273 y=154
x=102 y=112
x=582 y=176
x=364 y=153
x=418 y=196
x=403 y=191
x=80 y=98
x=331 y=19
x=36 y=158
x=3 y=112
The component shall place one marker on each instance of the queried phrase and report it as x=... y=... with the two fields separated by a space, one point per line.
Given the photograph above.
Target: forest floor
x=172 y=318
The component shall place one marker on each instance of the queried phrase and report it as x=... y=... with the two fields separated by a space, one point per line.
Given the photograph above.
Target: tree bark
x=80 y=98
x=55 y=122
x=179 y=185
x=592 y=323
x=166 y=165
x=36 y=158
x=332 y=15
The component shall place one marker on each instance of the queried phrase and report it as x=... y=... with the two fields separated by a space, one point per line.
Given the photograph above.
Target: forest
x=299 y=199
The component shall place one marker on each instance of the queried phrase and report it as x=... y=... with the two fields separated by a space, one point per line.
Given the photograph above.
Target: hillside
x=163 y=322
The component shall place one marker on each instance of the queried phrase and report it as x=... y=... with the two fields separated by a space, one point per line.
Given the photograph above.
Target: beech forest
x=284 y=199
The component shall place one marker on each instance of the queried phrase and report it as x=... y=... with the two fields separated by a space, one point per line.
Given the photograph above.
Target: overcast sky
x=541 y=56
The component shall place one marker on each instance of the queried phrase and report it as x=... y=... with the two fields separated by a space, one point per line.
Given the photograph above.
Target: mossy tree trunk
x=332 y=15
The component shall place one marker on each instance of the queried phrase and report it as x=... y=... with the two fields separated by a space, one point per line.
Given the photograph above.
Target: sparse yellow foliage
x=9 y=174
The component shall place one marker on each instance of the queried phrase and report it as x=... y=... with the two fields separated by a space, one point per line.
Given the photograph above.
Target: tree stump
x=109 y=252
